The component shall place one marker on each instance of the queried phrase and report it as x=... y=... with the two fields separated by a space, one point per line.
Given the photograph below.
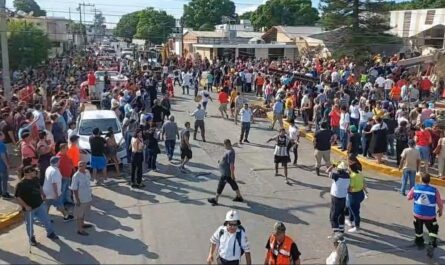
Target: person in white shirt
x=187 y=82
x=38 y=116
x=246 y=118
x=339 y=191
x=230 y=242
x=81 y=187
x=294 y=135
x=205 y=97
x=248 y=81
x=388 y=84
x=52 y=188
x=354 y=109
x=344 y=126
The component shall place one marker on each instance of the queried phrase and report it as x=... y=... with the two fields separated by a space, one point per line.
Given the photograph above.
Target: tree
x=246 y=15
x=28 y=45
x=127 y=25
x=284 y=12
x=154 y=26
x=418 y=4
x=29 y=6
x=200 y=12
x=360 y=25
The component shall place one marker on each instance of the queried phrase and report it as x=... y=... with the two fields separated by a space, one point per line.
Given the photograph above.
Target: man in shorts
x=186 y=149
x=81 y=188
x=223 y=98
x=98 y=160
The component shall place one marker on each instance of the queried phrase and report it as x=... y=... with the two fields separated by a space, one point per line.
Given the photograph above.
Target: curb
x=366 y=163
x=7 y=220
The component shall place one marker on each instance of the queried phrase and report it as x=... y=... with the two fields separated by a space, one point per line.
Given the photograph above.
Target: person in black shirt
x=366 y=139
x=323 y=139
x=158 y=113
x=98 y=160
x=354 y=141
x=30 y=197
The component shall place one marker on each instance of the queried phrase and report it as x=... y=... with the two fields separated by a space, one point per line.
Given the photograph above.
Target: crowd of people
x=381 y=110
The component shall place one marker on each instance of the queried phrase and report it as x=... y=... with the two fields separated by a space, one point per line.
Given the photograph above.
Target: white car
x=102 y=119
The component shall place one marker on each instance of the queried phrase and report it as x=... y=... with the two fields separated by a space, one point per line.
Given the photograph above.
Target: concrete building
x=57 y=29
x=420 y=27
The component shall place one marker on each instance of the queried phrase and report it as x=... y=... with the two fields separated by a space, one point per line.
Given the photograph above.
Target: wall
x=417 y=24
x=281 y=37
x=262 y=53
x=204 y=52
x=290 y=53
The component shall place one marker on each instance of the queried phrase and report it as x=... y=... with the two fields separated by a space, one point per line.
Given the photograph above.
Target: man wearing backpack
x=230 y=242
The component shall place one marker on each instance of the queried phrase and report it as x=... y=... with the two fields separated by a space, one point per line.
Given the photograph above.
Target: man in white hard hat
x=339 y=191
x=230 y=242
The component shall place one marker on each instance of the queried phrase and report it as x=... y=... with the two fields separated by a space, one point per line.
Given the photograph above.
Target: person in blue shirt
x=430 y=122
x=4 y=174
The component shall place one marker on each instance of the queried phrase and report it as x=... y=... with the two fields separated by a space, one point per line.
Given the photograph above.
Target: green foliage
x=418 y=4
x=363 y=24
x=154 y=26
x=284 y=12
x=28 y=45
x=246 y=15
x=28 y=6
x=77 y=28
x=200 y=12
x=99 y=24
x=127 y=25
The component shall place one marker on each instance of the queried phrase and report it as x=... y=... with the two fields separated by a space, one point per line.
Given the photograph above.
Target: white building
x=420 y=27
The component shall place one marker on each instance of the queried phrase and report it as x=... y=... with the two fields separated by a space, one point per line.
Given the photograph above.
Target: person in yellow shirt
x=289 y=107
x=356 y=194
x=233 y=95
x=378 y=111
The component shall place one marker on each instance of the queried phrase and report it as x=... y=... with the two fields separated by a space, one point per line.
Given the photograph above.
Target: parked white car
x=102 y=119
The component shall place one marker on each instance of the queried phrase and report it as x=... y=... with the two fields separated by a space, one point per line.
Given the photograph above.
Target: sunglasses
x=232 y=224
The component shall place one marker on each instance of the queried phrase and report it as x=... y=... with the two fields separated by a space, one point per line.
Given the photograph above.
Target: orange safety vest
x=282 y=255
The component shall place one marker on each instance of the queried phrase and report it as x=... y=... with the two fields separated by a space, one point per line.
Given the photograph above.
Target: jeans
x=245 y=128
x=408 y=174
x=336 y=131
x=170 y=148
x=128 y=137
x=151 y=156
x=343 y=139
x=354 y=122
x=41 y=215
x=4 y=176
x=66 y=192
x=354 y=200
x=361 y=126
x=136 y=167
x=184 y=88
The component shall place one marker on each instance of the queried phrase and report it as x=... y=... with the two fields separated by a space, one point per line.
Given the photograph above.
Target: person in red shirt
x=223 y=98
x=66 y=168
x=423 y=141
x=425 y=86
x=91 y=81
x=335 y=120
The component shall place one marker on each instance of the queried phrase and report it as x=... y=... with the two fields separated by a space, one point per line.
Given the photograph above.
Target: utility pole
x=80 y=14
x=5 y=53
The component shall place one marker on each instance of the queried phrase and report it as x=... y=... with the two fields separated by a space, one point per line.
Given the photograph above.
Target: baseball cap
x=279 y=227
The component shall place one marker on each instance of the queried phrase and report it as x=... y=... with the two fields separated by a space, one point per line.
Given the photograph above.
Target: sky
x=114 y=9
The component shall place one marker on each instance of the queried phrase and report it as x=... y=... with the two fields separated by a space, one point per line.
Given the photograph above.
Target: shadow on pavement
x=11 y=258
x=67 y=255
x=110 y=207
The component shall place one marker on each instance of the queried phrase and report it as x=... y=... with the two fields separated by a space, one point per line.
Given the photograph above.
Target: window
x=406 y=24
x=276 y=53
x=246 y=52
x=430 y=17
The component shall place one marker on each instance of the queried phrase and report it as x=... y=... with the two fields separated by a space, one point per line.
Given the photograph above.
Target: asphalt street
x=170 y=220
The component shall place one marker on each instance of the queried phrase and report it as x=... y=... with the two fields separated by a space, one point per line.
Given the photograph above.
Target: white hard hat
x=342 y=166
x=232 y=215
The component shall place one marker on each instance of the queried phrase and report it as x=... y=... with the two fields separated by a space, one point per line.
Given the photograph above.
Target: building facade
x=420 y=27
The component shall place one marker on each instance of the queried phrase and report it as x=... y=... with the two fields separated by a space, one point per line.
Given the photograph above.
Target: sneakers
x=240 y=142
x=238 y=199
x=212 y=201
x=33 y=241
x=134 y=185
x=246 y=141
x=354 y=230
x=7 y=196
x=348 y=223
x=68 y=218
x=82 y=233
x=52 y=236
x=140 y=186
x=317 y=171
x=87 y=226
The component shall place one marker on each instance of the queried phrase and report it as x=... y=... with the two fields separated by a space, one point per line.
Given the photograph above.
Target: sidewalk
x=389 y=168
x=9 y=213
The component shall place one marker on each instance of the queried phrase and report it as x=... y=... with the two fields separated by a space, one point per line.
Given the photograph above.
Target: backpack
x=237 y=238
